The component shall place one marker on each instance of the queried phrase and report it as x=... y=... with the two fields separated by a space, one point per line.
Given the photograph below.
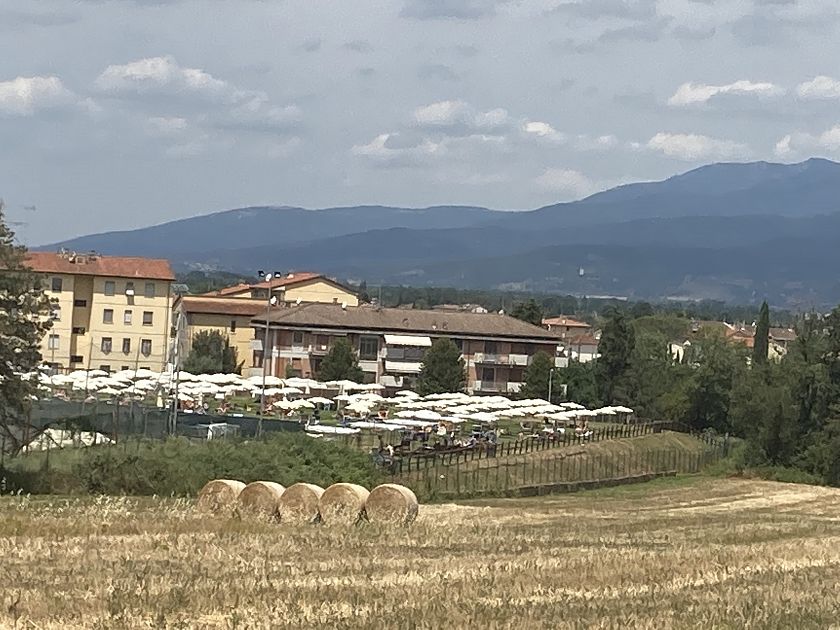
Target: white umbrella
x=289 y=390
x=363 y=424
x=407 y=393
x=320 y=401
x=483 y=416
x=285 y=405
x=327 y=430
x=270 y=381
x=301 y=404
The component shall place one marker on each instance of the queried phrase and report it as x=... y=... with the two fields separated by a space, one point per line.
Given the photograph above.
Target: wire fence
x=529 y=474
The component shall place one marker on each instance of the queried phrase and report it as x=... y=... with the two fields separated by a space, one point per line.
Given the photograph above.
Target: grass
x=686 y=553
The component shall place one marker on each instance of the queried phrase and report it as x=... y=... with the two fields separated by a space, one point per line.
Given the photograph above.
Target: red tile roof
x=97 y=265
x=290 y=279
x=242 y=287
x=562 y=320
x=207 y=305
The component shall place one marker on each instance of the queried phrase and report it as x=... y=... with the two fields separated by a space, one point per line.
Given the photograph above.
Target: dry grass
x=674 y=554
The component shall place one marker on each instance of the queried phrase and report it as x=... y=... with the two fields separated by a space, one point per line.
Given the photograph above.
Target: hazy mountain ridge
x=730 y=231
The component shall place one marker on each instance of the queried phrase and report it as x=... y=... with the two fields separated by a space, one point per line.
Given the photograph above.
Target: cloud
x=449 y=9
x=166 y=126
x=11 y=19
x=596 y=9
x=805 y=143
x=821 y=87
x=436 y=71
x=389 y=149
x=24 y=96
x=457 y=117
x=700 y=93
x=648 y=31
x=566 y=181
x=692 y=147
x=544 y=131
x=311 y=45
x=358 y=46
x=161 y=74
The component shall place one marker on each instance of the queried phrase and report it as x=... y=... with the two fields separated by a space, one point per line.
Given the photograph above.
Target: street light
x=270 y=301
x=550 y=379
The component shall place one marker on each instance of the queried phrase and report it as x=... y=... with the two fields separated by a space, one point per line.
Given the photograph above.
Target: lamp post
x=550 y=379
x=271 y=300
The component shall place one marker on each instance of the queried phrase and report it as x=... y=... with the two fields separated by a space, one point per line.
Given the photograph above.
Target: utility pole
x=270 y=301
x=550 y=379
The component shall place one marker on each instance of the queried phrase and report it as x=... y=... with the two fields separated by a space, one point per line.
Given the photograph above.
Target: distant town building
x=566 y=326
x=297 y=287
x=391 y=342
x=110 y=312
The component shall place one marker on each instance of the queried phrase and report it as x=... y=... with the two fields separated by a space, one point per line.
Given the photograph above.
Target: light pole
x=550 y=379
x=271 y=300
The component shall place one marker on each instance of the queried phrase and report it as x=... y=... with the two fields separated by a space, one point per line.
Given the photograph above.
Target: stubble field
x=679 y=553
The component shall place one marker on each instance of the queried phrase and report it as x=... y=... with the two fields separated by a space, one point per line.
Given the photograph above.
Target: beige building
x=299 y=287
x=110 y=312
x=391 y=343
x=230 y=316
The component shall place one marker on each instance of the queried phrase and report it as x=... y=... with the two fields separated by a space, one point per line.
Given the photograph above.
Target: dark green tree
x=616 y=348
x=364 y=296
x=341 y=363
x=537 y=376
x=529 y=311
x=761 y=346
x=24 y=319
x=442 y=370
x=580 y=382
x=716 y=365
x=652 y=373
x=211 y=353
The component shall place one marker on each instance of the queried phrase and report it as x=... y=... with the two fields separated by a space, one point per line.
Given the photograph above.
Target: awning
x=402 y=367
x=408 y=340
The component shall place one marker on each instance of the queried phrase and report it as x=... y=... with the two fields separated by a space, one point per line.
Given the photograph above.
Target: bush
x=180 y=467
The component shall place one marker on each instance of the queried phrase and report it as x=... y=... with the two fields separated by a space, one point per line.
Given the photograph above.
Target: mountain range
x=738 y=232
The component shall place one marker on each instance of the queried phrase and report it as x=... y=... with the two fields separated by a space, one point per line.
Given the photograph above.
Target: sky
x=116 y=114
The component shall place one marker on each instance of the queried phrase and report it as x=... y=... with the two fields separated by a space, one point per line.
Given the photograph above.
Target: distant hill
x=739 y=232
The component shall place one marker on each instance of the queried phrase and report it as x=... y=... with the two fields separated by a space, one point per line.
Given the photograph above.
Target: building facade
x=566 y=327
x=230 y=316
x=301 y=287
x=391 y=343
x=109 y=312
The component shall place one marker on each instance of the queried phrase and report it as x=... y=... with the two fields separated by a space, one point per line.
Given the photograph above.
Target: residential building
x=582 y=348
x=297 y=287
x=391 y=343
x=109 y=312
x=566 y=326
x=230 y=316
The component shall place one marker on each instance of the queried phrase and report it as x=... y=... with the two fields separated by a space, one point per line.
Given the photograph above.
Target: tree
x=529 y=311
x=537 y=376
x=581 y=386
x=615 y=347
x=24 y=319
x=650 y=376
x=762 y=336
x=211 y=353
x=341 y=363
x=442 y=370
x=717 y=365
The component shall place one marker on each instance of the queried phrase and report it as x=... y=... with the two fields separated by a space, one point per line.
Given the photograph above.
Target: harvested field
x=678 y=553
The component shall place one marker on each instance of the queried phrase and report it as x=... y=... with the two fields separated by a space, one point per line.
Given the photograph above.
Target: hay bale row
x=341 y=503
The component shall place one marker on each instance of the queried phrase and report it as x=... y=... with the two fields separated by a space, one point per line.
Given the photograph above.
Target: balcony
x=561 y=362
x=518 y=359
x=486 y=386
x=514 y=388
x=319 y=350
x=485 y=358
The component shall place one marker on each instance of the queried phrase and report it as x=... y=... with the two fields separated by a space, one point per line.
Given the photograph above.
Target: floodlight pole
x=550 y=379
x=268 y=277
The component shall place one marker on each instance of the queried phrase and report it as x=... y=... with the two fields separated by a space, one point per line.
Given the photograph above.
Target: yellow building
x=229 y=316
x=109 y=312
x=298 y=287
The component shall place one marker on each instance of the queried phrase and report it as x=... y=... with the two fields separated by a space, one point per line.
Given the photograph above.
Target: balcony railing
x=484 y=357
x=518 y=359
x=487 y=386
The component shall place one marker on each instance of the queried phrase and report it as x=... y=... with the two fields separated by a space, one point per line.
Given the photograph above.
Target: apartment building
x=109 y=312
x=297 y=287
x=229 y=316
x=391 y=343
x=566 y=327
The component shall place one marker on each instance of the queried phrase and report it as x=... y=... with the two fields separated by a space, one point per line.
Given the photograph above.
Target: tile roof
x=97 y=265
x=783 y=334
x=433 y=323
x=244 y=307
x=562 y=320
x=242 y=287
x=290 y=279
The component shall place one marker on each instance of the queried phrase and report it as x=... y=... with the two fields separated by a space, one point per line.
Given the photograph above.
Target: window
x=297 y=338
x=147 y=318
x=80 y=303
x=76 y=358
x=146 y=347
x=110 y=287
x=488 y=375
x=149 y=290
x=233 y=325
x=129 y=288
x=127 y=317
x=105 y=368
x=490 y=347
x=53 y=342
x=107 y=343
x=125 y=367
x=55 y=313
x=57 y=284
x=519 y=348
x=108 y=316
x=459 y=343
x=368 y=348
x=78 y=330
x=126 y=345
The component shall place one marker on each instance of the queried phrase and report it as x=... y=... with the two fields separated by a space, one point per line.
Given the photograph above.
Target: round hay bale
x=219 y=495
x=391 y=503
x=343 y=503
x=299 y=503
x=261 y=498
